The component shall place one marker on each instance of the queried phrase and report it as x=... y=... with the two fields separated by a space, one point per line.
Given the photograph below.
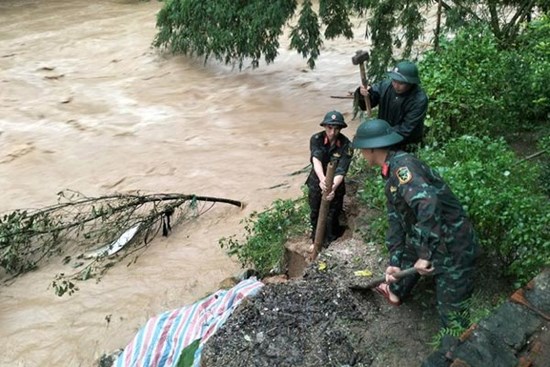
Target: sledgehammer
x=359 y=59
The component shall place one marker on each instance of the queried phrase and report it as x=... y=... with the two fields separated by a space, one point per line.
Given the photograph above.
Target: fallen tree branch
x=77 y=225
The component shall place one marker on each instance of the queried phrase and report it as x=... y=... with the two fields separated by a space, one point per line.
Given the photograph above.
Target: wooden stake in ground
x=323 y=211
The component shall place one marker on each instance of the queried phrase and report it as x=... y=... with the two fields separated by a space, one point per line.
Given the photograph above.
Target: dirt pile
x=319 y=320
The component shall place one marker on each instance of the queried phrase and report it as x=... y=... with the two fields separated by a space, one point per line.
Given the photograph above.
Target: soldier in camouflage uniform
x=325 y=146
x=428 y=227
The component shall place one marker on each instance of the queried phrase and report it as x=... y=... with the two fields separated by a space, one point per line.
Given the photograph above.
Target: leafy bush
x=503 y=200
x=266 y=233
x=371 y=194
x=466 y=81
x=532 y=72
x=544 y=146
x=478 y=87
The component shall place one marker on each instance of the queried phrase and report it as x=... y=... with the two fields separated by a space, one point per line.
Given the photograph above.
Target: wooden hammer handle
x=364 y=82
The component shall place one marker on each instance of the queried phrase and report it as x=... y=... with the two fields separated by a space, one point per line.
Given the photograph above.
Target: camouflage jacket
x=424 y=213
x=321 y=149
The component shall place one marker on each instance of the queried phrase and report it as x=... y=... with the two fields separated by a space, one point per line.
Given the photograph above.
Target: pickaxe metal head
x=360 y=57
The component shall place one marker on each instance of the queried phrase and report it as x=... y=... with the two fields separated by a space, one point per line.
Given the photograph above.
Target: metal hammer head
x=360 y=57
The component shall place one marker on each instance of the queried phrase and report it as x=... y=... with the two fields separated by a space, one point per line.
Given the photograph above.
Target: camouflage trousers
x=454 y=286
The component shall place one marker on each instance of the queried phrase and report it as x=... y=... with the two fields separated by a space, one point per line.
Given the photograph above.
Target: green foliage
x=305 y=36
x=544 y=146
x=503 y=18
x=477 y=88
x=230 y=31
x=18 y=231
x=531 y=71
x=371 y=194
x=335 y=14
x=266 y=233
x=455 y=329
x=503 y=200
x=467 y=82
x=393 y=25
x=233 y=31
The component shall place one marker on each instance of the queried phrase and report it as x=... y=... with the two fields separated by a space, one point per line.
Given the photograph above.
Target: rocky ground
x=319 y=320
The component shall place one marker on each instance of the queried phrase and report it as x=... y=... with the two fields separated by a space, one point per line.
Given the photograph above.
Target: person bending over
x=428 y=227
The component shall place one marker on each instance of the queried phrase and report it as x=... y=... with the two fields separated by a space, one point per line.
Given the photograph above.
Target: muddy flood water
x=87 y=104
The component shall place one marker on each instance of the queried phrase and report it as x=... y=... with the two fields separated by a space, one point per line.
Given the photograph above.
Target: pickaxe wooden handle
x=323 y=211
x=359 y=59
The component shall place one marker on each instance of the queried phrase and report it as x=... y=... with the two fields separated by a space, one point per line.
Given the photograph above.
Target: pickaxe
x=376 y=281
x=359 y=59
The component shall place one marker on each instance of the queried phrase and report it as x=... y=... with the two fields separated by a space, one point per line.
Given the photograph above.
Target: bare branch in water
x=92 y=229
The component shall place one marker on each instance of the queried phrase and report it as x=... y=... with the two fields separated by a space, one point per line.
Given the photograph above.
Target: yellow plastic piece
x=363 y=273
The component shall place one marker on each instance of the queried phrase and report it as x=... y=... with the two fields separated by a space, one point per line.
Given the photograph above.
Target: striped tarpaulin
x=161 y=341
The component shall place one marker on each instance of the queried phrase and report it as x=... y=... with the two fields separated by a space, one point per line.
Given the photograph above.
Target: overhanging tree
x=234 y=31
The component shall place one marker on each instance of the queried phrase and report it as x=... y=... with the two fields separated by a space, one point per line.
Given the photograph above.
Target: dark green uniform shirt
x=424 y=213
x=321 y=149
x=404 y=112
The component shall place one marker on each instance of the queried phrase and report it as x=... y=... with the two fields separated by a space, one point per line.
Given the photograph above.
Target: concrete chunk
x=512 y=323
x=538 y=292
x=483 y=349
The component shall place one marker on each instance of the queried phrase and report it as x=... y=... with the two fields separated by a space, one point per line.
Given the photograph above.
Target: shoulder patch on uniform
x=404 y=175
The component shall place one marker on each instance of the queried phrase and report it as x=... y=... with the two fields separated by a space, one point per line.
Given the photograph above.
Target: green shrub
x=503 y=200
x=544 y=147
x=531 y=73
x=466 y=82
x=266 y=233
x=371 y=194
x=478 y=87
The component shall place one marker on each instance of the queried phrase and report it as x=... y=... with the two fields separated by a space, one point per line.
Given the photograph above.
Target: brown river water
x=87 y=104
